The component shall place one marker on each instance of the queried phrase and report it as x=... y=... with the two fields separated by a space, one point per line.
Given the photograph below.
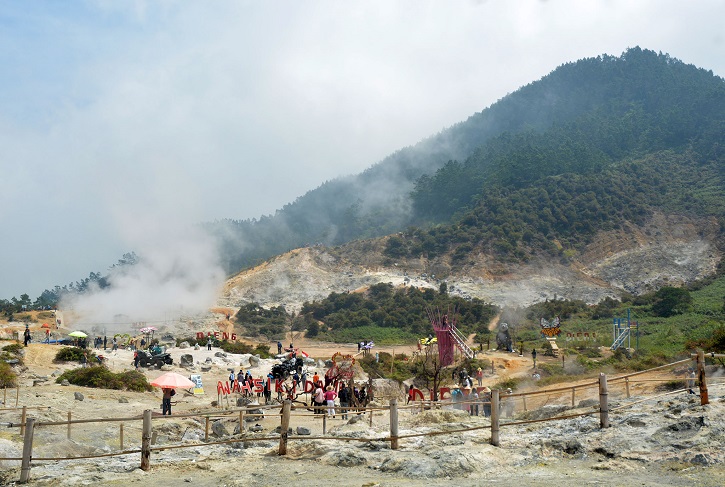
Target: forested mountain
x=593 y=144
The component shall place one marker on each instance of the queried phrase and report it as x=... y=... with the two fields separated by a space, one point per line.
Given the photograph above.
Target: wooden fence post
x=626 y=384
x=393 y=424
x=206 y=429
x=69 y=416
x=524 y=398
x=603 y=405
x=23 y=415
x=324 y=423
x=241 y=421
x=120 y=435
x=146 y=441
x=704 y=399
x=17 y=395
x=371 y=417
x=286 y=408
x=494 y=417
x=27 y=451
x=5 y=396
x=573 y=396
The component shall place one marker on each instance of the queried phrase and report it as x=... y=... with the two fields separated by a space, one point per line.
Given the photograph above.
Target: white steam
x=178 y=273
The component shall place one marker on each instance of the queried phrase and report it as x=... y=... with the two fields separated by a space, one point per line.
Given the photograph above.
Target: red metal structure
x=448 y=336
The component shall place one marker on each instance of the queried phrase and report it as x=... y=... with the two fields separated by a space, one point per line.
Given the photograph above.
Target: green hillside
x=593 y=144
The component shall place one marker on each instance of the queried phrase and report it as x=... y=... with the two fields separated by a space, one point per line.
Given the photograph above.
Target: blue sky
x=124 y=122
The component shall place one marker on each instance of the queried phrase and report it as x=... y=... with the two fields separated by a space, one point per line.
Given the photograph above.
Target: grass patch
x=378 y=334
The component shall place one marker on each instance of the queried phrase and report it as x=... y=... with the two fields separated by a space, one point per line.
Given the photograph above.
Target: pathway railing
x=29 y=425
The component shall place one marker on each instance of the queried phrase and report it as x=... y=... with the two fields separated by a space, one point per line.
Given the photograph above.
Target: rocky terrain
x=665 y=440
x=668 y=250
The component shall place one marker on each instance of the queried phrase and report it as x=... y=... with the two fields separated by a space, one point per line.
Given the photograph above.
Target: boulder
x=65 y=382
x=254 y=360
x=78 y=396
x=186 y=360
x=197 y=347
x=254 y=415
x=208 y=360
x=256 y=428
x=301 y=430
x=123 y=400
x=220 y=354
x=206 y=368
x=184 y=345
x=219 y=429
x=167 y=368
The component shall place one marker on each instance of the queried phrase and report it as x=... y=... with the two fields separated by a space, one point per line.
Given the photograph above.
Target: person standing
x=84 y=359
x=479 y=376
x=279 y=348
x=475 y=401
x=345 y=396
x=166 y=401
x=136 y=359
x=208 y=343
x=105 y=342
x=26 y=335
x=330 y=396
x=533 y=356
x=319 y=398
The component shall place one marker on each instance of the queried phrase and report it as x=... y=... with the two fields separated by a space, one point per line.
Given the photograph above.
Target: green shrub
x=236 y=347
x=12 y=352
x=263 y=351
x=7 y=375
x=13 y=348
x=73 y=354
x=509 y=383
x=99 y=376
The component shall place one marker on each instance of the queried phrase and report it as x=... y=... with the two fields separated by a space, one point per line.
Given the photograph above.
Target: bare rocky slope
x=667 y=250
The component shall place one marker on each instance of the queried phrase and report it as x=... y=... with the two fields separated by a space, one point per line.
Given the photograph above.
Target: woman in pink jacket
x=330 y=396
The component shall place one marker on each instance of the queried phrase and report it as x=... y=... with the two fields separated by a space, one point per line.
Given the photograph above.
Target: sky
x=123 y=124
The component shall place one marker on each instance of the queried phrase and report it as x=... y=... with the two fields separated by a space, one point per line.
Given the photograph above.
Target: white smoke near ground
x=178 y=274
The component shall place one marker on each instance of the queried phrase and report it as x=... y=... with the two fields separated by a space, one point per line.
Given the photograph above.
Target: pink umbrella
x=172 y=380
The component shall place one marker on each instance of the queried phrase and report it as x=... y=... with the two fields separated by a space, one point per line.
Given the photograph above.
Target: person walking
x=136 y=359
x=26 y=335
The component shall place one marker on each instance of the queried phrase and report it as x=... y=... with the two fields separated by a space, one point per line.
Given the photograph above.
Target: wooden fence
x=287 y=410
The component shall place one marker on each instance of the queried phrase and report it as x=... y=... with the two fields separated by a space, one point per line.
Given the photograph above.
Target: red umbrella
x=172 y=380
x=45 y=325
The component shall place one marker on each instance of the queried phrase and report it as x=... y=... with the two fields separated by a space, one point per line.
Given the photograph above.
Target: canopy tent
x=77 y=334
